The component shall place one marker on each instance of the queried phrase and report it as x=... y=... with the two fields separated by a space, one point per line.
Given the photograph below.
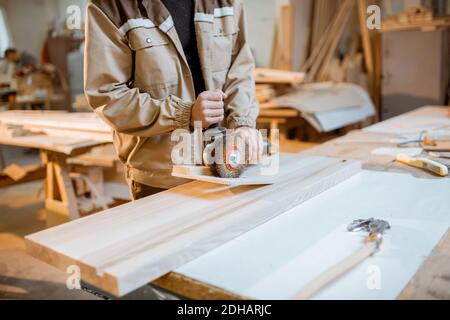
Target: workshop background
x=321 y=74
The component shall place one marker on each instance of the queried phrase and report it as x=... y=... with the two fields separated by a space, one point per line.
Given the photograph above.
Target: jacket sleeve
x=108 y=71
x=241 y=106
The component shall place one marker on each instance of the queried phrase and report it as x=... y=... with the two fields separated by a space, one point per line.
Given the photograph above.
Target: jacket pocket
x=224 y=34
x=155 y=59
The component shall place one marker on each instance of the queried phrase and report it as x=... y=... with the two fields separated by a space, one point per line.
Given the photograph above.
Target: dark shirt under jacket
x=182 y=12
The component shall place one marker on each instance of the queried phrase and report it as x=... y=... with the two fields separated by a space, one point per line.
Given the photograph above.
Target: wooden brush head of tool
x=226 y=155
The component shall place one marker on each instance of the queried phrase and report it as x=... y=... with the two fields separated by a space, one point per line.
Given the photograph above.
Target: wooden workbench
x=59 y=192
x=359 y=145
x=59 y=136
x=430 y=282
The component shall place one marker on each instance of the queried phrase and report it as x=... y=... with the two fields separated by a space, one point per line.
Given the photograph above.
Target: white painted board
x=329 y=106
x=261 y=265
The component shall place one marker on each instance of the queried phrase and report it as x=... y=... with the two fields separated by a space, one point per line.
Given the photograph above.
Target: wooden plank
x=432 y=279
x=273 y=76
x=78 y=121
x=193 y=289
x=81 y=126
x=63 y=145
x=424 y=26
x=192 y=170
x=324 y=47
x=335 y=39
x=32 y=173
x=250 y=177
x=279 y=113
x=15 y=172
x=367 y=44
x=126 y=247
x=11 y=130
x=282 y=49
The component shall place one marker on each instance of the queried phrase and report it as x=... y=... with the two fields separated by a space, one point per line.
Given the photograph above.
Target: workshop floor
x=22 y=213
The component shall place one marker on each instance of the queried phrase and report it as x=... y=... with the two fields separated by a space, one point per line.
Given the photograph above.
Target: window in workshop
x=4 y=33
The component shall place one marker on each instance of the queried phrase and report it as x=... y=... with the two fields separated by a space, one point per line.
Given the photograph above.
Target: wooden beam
x=193 y=289
x=273 y=76
x=367 y=45
x=250 y=177
x=283 y=43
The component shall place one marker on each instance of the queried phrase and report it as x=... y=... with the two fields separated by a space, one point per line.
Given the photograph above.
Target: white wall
x=303 y=15
x=29 y=20
x=262 y=16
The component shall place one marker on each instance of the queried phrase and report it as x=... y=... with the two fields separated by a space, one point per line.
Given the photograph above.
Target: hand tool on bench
x=375 y=228
x=424 y=163
x=431 y=141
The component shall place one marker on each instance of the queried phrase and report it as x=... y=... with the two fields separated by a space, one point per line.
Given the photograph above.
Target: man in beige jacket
x=154 y=66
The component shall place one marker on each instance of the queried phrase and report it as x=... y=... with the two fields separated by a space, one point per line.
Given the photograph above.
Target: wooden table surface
x=73 y=126
x=432 y=279
x=58 y=136
x=63 y=145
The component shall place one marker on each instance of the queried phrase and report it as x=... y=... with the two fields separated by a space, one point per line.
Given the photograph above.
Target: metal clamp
x=373 y=226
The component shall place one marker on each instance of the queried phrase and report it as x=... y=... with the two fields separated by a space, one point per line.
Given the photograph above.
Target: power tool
x=224 y=153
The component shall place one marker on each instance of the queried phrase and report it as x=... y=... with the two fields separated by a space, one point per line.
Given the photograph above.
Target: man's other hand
x=208 y=108
x=254 y=140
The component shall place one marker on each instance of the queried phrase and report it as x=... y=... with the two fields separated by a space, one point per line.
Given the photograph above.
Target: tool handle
x=424 y=163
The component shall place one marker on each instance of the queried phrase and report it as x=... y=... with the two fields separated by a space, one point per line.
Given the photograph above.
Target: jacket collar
x=156 y=11
x=205 y=11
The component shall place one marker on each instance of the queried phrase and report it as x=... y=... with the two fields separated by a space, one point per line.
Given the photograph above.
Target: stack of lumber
x=272 y=82
x=325 y=62
x=323 y=13
x=324 y=50
x=415 y=18
x=264 y=93
x=11 y=130
x=59 y=124
x=275 y=76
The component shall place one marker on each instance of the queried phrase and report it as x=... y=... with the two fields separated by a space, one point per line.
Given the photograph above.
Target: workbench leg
x=66 y=190
x=59 y=192
x=2 y=159
x=95 y=175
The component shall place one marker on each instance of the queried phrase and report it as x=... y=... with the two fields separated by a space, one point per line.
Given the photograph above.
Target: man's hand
x=254 y=140
x=208 y=108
